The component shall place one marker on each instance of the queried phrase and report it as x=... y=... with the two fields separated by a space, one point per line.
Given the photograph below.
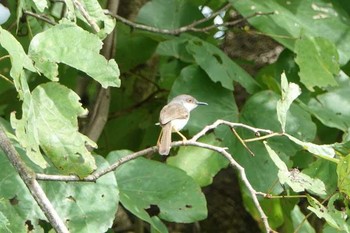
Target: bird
x=173 y=117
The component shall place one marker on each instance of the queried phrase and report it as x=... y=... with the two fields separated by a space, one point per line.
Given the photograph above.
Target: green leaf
x=4 y=223
x=221 y=103
x=333 y=217
x=295 y=179
x=290 y=91
x=318 y=62
x=49 y=121
x=170 y=14
x=219 y=67
x=322 y=169
x=133 y=48
x=175 y=47
x=294 y=18
x=201 y=164
x=260 y=111
x=323 y=151
x=298 y=218
x=106 y=23
x=343 y=171
x=19 y=58
x=331 y=114
x=71 y=45
x=153 y=190
x=84 y=207
x=40 y=4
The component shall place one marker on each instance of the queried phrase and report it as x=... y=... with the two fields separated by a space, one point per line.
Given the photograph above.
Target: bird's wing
x=171 y=112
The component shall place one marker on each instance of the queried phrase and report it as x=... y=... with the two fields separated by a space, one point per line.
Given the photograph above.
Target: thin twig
x=28 y=177
x=4 y=57
x=86 y=15
x=242 y=141
x=41 y=17
x=6 y=79
x=231 y=125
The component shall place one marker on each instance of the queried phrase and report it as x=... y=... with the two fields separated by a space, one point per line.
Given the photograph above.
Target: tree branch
x=29 y=178
x=192 y=142
x=41 y=17
x=192 y=27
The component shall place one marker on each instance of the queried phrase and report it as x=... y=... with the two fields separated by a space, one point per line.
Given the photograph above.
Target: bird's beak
x=201 y=103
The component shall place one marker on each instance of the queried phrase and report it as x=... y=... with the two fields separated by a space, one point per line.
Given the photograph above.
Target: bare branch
x=190 y=27
x=97 y=174
x=28 y=177
x=41 y=17
x=192 y=142
x=231 y=125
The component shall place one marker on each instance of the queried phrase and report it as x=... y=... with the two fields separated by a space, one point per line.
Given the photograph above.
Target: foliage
x=52 y=67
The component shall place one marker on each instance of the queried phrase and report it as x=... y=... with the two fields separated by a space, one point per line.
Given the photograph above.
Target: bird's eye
x=190 y=100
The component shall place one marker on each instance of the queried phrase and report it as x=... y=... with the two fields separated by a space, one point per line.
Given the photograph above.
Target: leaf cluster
x=52 y=68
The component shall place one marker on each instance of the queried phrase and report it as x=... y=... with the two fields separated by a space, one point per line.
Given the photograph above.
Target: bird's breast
x=178 y=124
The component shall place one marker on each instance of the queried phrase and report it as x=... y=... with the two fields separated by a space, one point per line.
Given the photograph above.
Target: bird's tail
x=165 y=140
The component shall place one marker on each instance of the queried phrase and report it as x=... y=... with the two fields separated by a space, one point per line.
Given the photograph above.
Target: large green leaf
x=291 y=19
x=170 y=14
x=49 y=121
x=176 y=47
x=133 y=48
x=260 y=111
x=318 y=62
x=19 y=58
x=153 y=190
x=298 y=218
x=219 y=67
x=84 y=207
x=325 y=171
x=332 y=107
x=201 y=164
x=69 y=44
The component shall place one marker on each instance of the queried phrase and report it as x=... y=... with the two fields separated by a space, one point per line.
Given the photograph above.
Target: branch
x=28 y=177
x=192 y=27
x=189 y=27
x=41 y=17
x=192 y=142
